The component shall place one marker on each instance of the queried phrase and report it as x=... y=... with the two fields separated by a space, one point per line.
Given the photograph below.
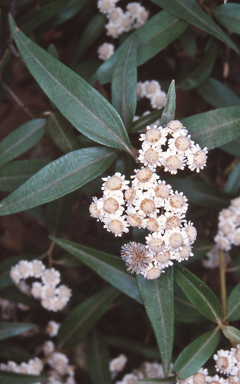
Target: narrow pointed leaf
x=217 y=94
x=167 y=380
x=200 y=295
x=81 y=319
x=126 y=344
x=232 y=333
x=62 y=132
x=191 y=11
x=20 y=378
x=12 y=351
x=214 y=128
x=233 y=305
x=58 y=213
x=13 y=329
x=233 y=182
x=83 y=106
x=184 y=310
x=153 y=37
x=158 y=301
x=141 y=123
x=98 y=359
x=228 y=15
x=232 y=147
x=59 y=178
x=188 y=42
x=170 y=107
x=109 y=267
x=124 y=82
x=196 y=354
x=22 y=139
x=14 y=174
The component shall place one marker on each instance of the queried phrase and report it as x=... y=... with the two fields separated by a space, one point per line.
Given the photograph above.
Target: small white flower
x=59 y=362
x=51 y=277
x=117 y=364
x=36 y=290
x=158 y=100
x=48 y=347
x=52 y=328
x=172 y=161
x=35 y=366
x=177 y=203
x=106 y=6
x=64 y=292
x=152 y=88
x=197 y=158
x=144 y=179
x=24 y=269
x=222 y=242
x=114 y=30
x=225 y=362
x=37 y=268
x=136 y=257
x=15 y=274
x=105 y=51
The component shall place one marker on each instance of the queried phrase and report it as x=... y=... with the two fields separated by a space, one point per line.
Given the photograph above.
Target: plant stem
x=222 y=270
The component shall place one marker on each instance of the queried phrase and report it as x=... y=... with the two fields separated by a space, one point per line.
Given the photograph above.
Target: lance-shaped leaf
x=170 y=107
x=188 y=42
x=82 y=105
x=217 y=94
x=20 y=140
x=233 y=182
x=98 y=359
x=184 y=310
x=233 y=305
x=141 y=123
x=191 y=11
x=153 y=36
x=109 y=267
x=232 y=147
x=228 y=15
x=214 y=128
x=62 y=132
x=13 y=329
x=200 y=295
x=20 y=378
x=59 y=178
x=12 y=351
x=124 y=82
x=167 y=380
x=126 y=344
x=232 y=333
x=196 y=354
x=81 y=319
x=58 y=213
x=14 y=174
x=158 y=300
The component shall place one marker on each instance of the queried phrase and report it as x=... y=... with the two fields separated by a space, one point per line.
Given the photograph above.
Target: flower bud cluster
x=229 y=226
x=53 y=297
x=152 y=90
x=146 y=371
x=32 y=367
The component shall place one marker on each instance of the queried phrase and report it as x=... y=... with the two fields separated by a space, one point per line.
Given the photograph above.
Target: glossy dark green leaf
x=14 y=174
x=93 y=30
x=124 y=82
x=126 y=344
x=109 y=267
x=233 y=305
x=170 y=107
x=184 y=310
x=59 y=178
x=188 y=42
x=19 y=378
x=86 y=69
x=199 y=193
x=233 y=182
x=12 y=351
x=82 y=318
x=98 y=359
x=232 y=147
x=214 y=128
x=191 y=11
x=68 y=12
x=194 y=74
x=82 y=105
x=58 y=213
x=232 y=333
x=200 y=295
x=217 y=94
x=20 y=140
x=153 y=37
x=13 y=329
x=196 y=354
x=62 y=133
x=158 y=301
x=52 y=51
x=228 y=15
x=167 y=380
x=148 y=119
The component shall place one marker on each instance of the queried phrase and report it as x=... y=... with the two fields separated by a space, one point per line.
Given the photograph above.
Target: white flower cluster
x=151 y=204
x=227 y=363
x=152 y=90
x=32 y=367
x=52 y=298
x=146 y=370
x=229 y=226
x=212 y=258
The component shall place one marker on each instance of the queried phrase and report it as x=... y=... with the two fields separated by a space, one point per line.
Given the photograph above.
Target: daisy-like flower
x=150 y=158
x=37 y=268
x=144 y=179
x=114 y=30
x=117 y=364
x=116 y=225
x=197 y=158
x=144 y=203
x=158 y=100
x=36 y=290
x=15 y=274
x=235 y=237
x=153 y=272
x=35 y=366
x=222 y=242
x=24 y=269
x=48 y=292
x=105 y=51
x=93 y=209
x=225 y=362
x=106 y=6
x=181 y=143
x=177 y=203
x=116 y=15
x=59 y=362
x=130 y=378
x=172 y=161
x=154 y=138
x=136 y=257
x=48 y=347
x=151 y=88
x=51 y=277
x=174 y=125
x=126 y=22
x=155 y=243
x=64 y=292
x=175 y=238
x=163 y=259
x=52 y=328
x=134 y=9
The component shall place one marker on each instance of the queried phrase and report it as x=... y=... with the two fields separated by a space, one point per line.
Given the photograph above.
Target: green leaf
x=167 y=380
x=196 y=354
x=188 y=42
x=14 y=174
x=148 y=119
x=98 y=359
x=233 y=182
x=158 y=301
x=19 y=378
x=68 y=12
x=228 y=15
x=217 y=94
x=191 y=11
x=194 y=74
x=200 y=295
x=124 y=82
x=83 y=317
x=156 y=34
x=59 y=178
x=200 y=193
x=12 y=351
x=14 y=295
x=109 y=267
x=233 y=305
x=184 y=310
x=170 y=107
x=58 y=213
x=62 y=133
x=53 y=51
x=13 y=329
x=82 y=105
x=214 y=128
x=20 y=140
x=91 y=33
x=232 y=147
x=232 y=333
